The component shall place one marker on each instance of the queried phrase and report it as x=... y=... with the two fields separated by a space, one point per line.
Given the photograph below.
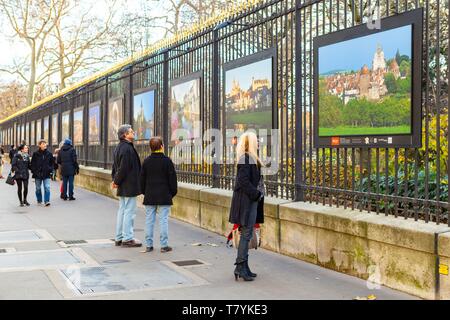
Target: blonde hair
x=248 y=144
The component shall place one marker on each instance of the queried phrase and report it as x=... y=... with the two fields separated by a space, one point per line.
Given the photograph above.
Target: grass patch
x=262 y=118
x=361 y=131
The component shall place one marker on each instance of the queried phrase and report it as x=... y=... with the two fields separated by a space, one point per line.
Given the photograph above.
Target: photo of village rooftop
x=365 y=85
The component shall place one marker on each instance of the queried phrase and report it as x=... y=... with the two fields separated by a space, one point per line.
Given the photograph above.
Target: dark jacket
x=12 y=152
x=245 y=192
x=126 y=170
x=20 y=167
x=67 y=158
x=158 y=180
x=42 y=164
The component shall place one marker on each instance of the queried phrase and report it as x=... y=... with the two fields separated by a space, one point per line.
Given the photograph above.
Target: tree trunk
x=32 y=82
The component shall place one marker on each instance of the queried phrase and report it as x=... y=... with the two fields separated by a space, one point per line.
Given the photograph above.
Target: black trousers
x=247 y=234
x=22 y=189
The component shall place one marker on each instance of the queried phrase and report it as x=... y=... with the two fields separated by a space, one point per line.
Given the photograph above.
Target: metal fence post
x=165 y=107
x=299 y=196
x=105 y=125
x=216 y=105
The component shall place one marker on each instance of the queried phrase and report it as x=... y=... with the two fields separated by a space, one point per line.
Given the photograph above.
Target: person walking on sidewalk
x=20 y=167
x=125 y=175
x=67 y=159
x=159 y=186
x=41 y=166
x=12 y=152
x=247 y=206
x=2 y=155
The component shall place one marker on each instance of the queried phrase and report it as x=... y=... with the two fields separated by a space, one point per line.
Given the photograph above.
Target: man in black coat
x=42 y=164
x=159 y=186
x=67 y=158
x=125 y=175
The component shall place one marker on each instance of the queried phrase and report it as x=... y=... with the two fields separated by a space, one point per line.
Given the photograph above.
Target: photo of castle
x=78 y=127
x=94 y=125
x=185 y=110
x=143 y=118
x=248 y=96
x=365 y=85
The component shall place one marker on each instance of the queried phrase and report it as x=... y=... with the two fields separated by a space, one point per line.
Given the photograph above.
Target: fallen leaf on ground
x=212 y=244
x=197 y=244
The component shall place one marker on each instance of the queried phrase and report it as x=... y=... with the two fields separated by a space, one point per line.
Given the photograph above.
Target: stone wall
x=394 y=252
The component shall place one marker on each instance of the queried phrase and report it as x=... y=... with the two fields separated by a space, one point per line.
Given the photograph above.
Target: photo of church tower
x=143 y=115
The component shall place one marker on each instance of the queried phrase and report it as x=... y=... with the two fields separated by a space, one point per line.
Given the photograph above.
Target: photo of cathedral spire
x=365 y=84
x=143 y=115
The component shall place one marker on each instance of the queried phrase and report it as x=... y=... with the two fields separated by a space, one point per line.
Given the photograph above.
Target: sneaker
x=47 y=204
x=71 y=199
x=62 y=196
x=39 y=203
x=22 y=205
x=118 y=243
x=26 y=203
x=166 y=249
x=149 y=249
x=131 y=244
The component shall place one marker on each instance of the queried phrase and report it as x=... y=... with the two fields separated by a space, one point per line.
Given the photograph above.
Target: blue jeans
x=247 y=234
x=125 y=219
x=150 y=216
x=46 y=183
x=68 y=180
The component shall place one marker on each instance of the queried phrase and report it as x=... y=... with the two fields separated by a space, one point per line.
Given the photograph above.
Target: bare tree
x=79 y=43
x=32 y=22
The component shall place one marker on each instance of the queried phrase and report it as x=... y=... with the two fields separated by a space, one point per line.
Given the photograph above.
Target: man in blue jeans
x=42 y=164
x=159 y=186
x=125 y=176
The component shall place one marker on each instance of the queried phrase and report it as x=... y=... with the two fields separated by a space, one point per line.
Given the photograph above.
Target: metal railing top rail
x=201 y=27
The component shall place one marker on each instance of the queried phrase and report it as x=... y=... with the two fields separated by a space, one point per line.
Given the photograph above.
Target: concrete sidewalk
x=35 y=264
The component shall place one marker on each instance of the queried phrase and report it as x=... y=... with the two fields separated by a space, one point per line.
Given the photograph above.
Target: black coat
x=67 y=158
x=245 y=192
x=42 y=164
x=20 y=167
x=158 y=180
x=126 y=170
x=12 y=152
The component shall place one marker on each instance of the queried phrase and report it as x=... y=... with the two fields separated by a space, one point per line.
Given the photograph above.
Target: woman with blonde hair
x=247 y=204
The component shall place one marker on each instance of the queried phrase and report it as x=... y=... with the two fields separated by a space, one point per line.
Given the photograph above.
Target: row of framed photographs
x=248 y=96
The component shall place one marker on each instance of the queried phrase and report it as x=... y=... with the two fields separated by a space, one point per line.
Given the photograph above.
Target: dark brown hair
x=156 y=143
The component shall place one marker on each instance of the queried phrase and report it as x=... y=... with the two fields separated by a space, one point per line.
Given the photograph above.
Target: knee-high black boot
x=249 y=272
x=241 y=272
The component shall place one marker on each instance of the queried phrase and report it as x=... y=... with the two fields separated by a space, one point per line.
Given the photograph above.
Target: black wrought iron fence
x=405 y=182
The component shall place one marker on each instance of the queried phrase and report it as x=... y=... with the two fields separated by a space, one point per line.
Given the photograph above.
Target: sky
x=14 y=49
x=259 y=70
x=353 y=54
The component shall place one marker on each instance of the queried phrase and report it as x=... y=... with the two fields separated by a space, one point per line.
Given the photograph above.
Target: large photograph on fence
x=115 y=119
x=144 y=114
x=65 y=122
x=249 y=92
x=365 y=84
x=94 y=124
x=78 y=126
x=55 y=129
x=185 y=104
x=46 y=129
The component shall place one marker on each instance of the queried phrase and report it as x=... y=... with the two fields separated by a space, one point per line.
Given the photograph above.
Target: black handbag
x=10 y=179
